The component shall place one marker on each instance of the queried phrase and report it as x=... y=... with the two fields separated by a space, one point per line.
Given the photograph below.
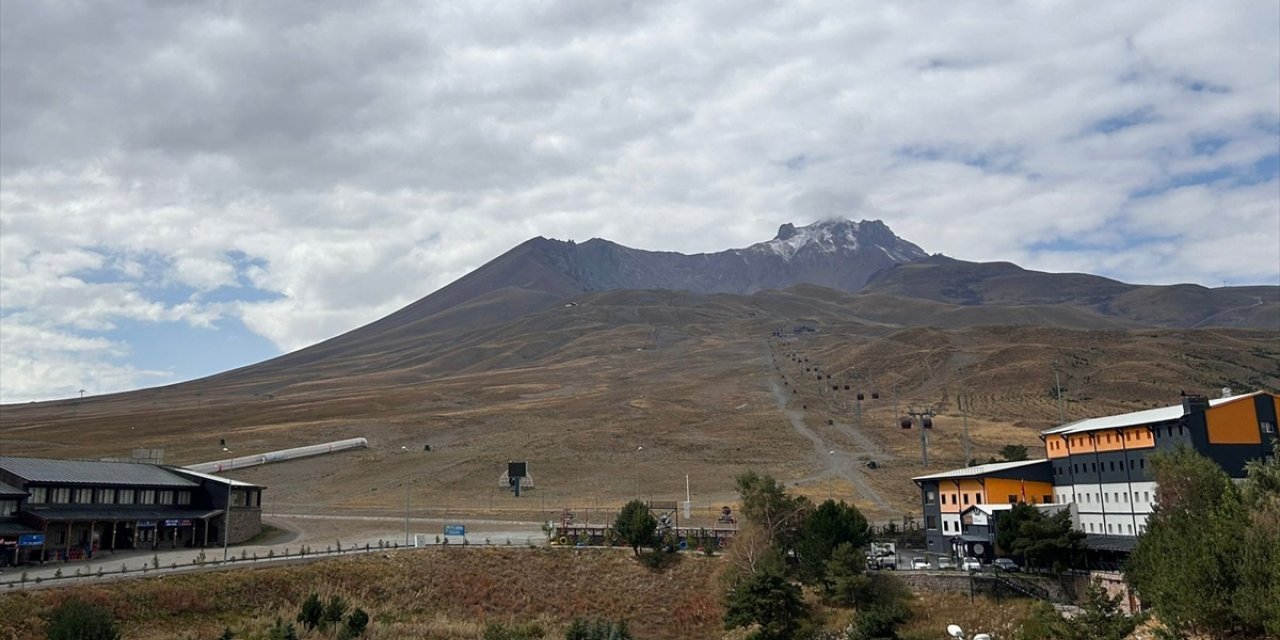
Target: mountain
x=540 y=273
x=620 y=373
x=1006 y=285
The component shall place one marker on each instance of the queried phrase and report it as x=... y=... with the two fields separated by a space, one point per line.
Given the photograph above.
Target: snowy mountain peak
x=839 y=236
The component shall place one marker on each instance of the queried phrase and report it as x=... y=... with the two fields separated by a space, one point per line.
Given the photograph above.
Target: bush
x=880 y=621
x=77 y=620
x=333 y=612
x=583 y=629
x=499 y=631
x=356 y=623
x=658 y=560
x=312 y=612
x=282 y=631
x=769 y=600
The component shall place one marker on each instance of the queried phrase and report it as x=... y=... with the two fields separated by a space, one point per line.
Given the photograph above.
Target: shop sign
x=455 y=530
x=146 y=524
x=31 y=540
x=177 y=523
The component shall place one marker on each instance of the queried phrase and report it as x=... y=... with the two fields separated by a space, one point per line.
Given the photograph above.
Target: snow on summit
x=836 y=236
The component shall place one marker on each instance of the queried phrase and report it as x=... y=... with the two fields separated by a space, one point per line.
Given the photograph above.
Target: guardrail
x=154 y=566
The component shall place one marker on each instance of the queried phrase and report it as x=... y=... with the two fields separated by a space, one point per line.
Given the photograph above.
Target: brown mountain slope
x=944 y=279
x=691 y=378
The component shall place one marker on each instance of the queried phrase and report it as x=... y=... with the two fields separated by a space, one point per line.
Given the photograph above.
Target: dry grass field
x=609 y=416
x=453 y=594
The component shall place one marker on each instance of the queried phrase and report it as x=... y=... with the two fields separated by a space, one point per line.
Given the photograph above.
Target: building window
x=106 y=496
x=930 y=497
x=165 y=497
x=977 y=498
x=1013 y=499
x=1090 y=527
x=60 y=495
x=931 y=522
x=1130 y=528
x=184 y=497
x=1142 y=463
x=1048 y=499
x=147 y=496
x=1146 y=496
x=1142 y=528
x=84 y=496
x=1108 y=528
x=125 y=496
x=1267 y=427
x=39 y=495
x=966 y=498
x=8 y=507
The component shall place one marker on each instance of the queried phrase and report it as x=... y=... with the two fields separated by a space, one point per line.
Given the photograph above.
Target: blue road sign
x=455 y=530
x=31 y=540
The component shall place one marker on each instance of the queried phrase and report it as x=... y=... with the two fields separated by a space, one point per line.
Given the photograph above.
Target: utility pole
x=1057 y=386
x=964 y=412
x=406 y=513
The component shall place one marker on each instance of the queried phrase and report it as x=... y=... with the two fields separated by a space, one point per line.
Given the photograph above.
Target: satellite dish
x=982 y=636
x=955 y=631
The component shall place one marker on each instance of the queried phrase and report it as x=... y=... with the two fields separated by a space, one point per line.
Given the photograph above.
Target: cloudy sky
x=191 y=187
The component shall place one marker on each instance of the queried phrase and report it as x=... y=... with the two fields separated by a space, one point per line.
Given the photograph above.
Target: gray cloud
x=364 y=154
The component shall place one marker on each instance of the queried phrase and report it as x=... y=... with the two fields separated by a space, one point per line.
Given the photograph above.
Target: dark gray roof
x=87 y=514
x=7 y=490
x=92 y=472
x=14 y=528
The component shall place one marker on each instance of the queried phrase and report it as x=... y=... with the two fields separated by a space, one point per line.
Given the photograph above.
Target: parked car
x=946 y=563
x=1006 y=564
x=971 y=564
x=919 y=563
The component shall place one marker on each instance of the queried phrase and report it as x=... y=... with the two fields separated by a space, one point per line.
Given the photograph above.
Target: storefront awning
x=121 y=515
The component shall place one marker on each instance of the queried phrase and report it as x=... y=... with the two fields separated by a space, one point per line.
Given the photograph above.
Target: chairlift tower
x=925 y=418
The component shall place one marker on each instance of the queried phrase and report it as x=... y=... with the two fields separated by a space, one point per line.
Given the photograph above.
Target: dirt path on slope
x=845 y=464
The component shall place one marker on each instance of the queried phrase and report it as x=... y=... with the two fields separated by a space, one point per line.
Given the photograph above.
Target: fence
x=154 y=566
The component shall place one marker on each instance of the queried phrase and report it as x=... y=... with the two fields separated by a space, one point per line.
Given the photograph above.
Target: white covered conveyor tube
x=218 y=466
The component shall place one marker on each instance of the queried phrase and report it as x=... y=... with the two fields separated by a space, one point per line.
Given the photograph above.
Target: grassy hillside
x=452 y=594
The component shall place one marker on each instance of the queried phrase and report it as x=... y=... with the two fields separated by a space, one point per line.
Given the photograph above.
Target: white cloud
x=360 y=157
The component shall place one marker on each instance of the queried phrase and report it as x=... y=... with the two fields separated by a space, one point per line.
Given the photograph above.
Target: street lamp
x=637 y=467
